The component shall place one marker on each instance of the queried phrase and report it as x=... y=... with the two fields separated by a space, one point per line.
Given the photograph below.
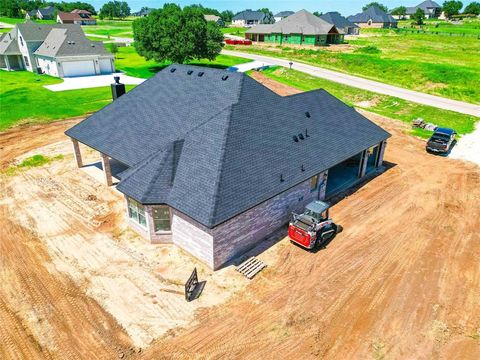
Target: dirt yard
x=401 y=281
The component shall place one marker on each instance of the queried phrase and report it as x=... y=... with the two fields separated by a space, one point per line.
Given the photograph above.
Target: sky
x=345 y=7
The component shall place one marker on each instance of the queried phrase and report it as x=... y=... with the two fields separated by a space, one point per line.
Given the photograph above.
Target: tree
x=206 y=10
x=269 y=19
x=418 y=17
x=382 y=7
x=173 y=34
x=472 y=8
x=227 y=15
x=10 y=8
x=317 y=13
x=114 y=49
x=400 y=11
x=115 y=9
x=451 y=8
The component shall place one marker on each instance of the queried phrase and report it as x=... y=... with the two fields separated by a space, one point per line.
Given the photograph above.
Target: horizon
x=344 y=7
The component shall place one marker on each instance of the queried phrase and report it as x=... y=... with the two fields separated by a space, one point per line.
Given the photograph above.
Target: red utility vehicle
x=238 y=42
x=313 y=227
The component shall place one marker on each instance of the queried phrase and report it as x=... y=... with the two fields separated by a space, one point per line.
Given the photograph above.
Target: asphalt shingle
x=213 y=148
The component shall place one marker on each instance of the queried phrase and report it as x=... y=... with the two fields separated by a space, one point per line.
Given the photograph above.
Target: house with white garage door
x=60 y=50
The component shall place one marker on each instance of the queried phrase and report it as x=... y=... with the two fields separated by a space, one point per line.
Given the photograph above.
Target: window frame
x=25 y=59
x=169 y=218
x=314 y=180
x=136 y=212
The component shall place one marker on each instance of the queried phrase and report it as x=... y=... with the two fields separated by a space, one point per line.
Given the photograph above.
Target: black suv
x=441 y=140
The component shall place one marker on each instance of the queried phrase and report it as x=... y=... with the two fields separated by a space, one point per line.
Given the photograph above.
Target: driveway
x=85 y=82
x=365 y=84
x=128 y=41
x=248 y=66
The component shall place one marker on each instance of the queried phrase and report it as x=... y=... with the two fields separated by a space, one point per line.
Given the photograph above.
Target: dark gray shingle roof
x=32 y=31
x=249 y=15
x=213 y=148
x=373 y=13
x=47 y=11
x=302 y=22
x=336 y=19
x=428 y=4
x=284 y=14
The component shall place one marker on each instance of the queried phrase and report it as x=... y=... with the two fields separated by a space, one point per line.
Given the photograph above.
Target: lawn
x=132 y=64
x=467 y=26
x=237 y=31
x=381 y=104
x=14 y=21
x=439 y=65
x=120 y=28
x=23 y=99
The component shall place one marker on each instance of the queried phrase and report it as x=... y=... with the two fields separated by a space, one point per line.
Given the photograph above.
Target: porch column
x=106 y=169
x=381 y=152
x=7 y=63
x=363 y=164
x=77 y=153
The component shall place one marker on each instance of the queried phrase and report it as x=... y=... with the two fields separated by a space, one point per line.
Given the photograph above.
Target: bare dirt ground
x=401 y=281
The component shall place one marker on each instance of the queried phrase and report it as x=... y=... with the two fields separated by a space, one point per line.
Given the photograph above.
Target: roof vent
x=224 y=77
x=172 y=70
x=300 y=136
x=92 y=45
x=200 y=74
x=295 y=138
x=303 y=168
x=190 y=72
x=308 y=115
x=281 y=178
x=306 y=133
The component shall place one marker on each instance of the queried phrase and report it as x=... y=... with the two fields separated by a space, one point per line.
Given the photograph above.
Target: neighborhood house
x=46 y=13
x=216 y=19
x=282 y=15
x=373 y=17
x=430 y=8
x=250 y=18
x=214 y=162
x=57 y=50
x=342 y=24
x=301 y=28
x=81 y=17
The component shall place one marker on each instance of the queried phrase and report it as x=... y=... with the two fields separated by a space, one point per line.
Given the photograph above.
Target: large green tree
x=400 y=11
x=374 y=3
x=10 y=8
x=115 y=9
x=227 y=15
x=452 y=7
x=472 y=8
x=173 y=34
x=418 y=17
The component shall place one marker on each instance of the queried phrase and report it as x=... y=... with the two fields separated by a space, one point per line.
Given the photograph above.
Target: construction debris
x=251 y=267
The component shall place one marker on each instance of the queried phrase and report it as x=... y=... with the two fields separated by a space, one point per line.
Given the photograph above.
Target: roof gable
x=336 y=19
x=249 y=15
x=373 y=13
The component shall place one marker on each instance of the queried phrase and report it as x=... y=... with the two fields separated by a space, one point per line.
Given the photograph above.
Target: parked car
x=441 y=140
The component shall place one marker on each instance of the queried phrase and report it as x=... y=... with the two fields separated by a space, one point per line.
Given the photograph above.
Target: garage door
x=105 y=66
x=78 y=68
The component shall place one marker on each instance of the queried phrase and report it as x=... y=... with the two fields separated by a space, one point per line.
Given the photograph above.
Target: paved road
x=365 y=84
x=125 y=40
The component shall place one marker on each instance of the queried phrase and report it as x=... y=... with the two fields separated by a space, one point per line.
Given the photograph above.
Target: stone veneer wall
x=247 y=230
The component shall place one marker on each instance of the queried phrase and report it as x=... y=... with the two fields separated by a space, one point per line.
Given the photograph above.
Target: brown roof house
x=80 y=17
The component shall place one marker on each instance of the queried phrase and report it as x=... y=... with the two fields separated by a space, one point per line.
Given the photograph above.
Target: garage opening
x=343 y=175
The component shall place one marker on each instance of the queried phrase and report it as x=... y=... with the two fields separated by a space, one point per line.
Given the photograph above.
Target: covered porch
x=11 y=62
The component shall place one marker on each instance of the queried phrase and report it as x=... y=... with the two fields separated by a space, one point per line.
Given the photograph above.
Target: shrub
x=370 y=49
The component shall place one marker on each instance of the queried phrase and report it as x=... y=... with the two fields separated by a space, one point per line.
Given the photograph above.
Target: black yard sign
x=190 y=285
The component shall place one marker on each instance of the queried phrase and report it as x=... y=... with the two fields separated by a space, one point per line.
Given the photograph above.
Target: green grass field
x=466 y=26
x=438 y=65
x=120 y=28
x=13 y=21
x=237 y=31
x=25 y=100
x=381 y=104
x=132 y=64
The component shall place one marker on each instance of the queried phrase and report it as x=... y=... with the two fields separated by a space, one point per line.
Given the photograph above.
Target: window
x=313 y=183
x=161 y=218
x=21 y=40
x=136 y=212
x=27 y=63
